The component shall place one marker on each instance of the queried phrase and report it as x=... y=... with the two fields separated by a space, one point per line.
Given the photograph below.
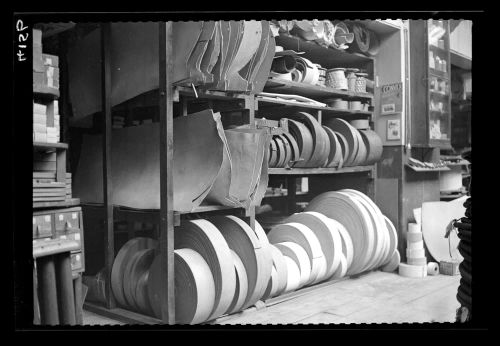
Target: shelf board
x=42 y=145
x=61 y=204
x=312 y=91
x=210 y=94
x=207 y=208
x=309 y=171
x=438 y=74
x=45 y=91
x=326 y=57
x=298 y=193
x=421 y=169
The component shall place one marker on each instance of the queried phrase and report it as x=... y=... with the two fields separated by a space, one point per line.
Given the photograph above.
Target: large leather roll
x=393 y=237
x=304 y=140
x=341 y=126
x=273 y=159
x=360 y=158
x=293 y=275
x=137 y=266
x=360 y=124
x=142 y=295
x=341 y=269
x=327 y=234
x=347 y=246
x=299 y=255
x=393 y=263
x=305 y=237
x=272 y=285
x=268 y=256
x=125 y=254
x=281 y=269
x=353 y=216
x=293 y=146
x=281 y=151
x=335 y=155
x=241 y=290
x=194 y=287
x=374 y=146
x=203 y=237
x=344 y=148
x=243 y=241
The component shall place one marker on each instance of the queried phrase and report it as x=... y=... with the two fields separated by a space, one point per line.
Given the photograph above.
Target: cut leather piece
x=341 y=126
x=142 y=295
x=305 y=237
x=243 y=241
x=262 y=74
x=259 y=56
x=241 y=290
x=211 y=55
x=341 y=269
x=273 y=159
x=268 y=256
x=196 y=76
x=327 y=234
x=393 y=264
x=304 y=140
x=293 y=275
x=374 y=146
x=344 y=146
x=281 y=269
x=125 y=254
x=194 y=287
x=352 y=215
x=294 y=148
x=299 y=255
x=281 y=151
x=436 y=216
x=204 y=238
x=335 y=154
x=217 y=71
x=137 y=265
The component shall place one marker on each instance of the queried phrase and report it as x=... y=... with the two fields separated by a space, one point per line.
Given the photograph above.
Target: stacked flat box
x=39 y=123
x=38 y=67
x=51 y=65
x=415 y=252
x=49 y=192
x=68 y=186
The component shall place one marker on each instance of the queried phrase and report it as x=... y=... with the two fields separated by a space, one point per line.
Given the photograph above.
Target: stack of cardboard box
x=46 y=122
x=45 y=67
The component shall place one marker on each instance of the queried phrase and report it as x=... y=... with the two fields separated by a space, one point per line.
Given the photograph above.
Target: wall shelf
x=310 y=171
x=59 y=204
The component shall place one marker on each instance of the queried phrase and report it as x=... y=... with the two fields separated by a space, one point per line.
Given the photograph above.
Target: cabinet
x=430 y=83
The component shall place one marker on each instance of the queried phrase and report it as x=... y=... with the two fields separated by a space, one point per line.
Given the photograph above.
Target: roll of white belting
x=417 y=253
x=415 y=245
x=347 y=246
x=304 y=140
x=360 y=124
x=432 y=268
x=393 y=236
x=296 y=76
x=283 y=76
x=267 y=264
x=328 y=235
x=361 y=155
x=414 y=227
x=373 y=144
x=305 y=237
x=293 y=275
x=344 y=147
x=419 y=261
x=353 y=216
x=412 y=271
x=241 y=290
x=299 y=255
x=414 y=236
x=341 y=269
x=194 y=287
x=281 y=269
x=335 y=155
x=393 y=264
x=272 y=285
x=203 y=237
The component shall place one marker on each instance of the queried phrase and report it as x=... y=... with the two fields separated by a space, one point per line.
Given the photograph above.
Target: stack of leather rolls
x=464 y=226
x=336 y=143
x=416 y=265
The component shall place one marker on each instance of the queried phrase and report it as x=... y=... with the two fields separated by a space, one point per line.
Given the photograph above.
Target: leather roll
x=296 y=76
x=321 y=144
x=272 y=285
x=360 y=124
x=283 y=64
x=299 y=255
x=287 y=153
x=341 y=126
x=142 y=295
x=304 y=140
x=352 y=215
x=241 y=291
x=361 y=39
x=393 y=236
x=204 y=238
x=293 y=146
x=125 y=254
x=328 y=235
x=413 y=237
x=361 y=155
x=310 y=72
x=137 y=266
x=305 y=237
x=419 y=261
x=374 y=146
x=281 y=151
x=293 y=275
x=393 y=264
x=273 y=159
x=344 y=146
x=341 y=269
x=281 y=269
x=242 y=240
x=195 y=289
x=335 y=155
x=267 y=264
x=412 y=271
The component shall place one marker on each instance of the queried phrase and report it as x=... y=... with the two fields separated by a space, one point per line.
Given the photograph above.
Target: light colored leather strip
x=393 y=264
x=419 y=261
x=305 y=237
x=264 y=69
x=304 y=140
x=203 y=237
x=281 y=269
x=138 y=264
x=335 y=155
x=411 y=271
x=349 y=132
x=432 y=268
x=341 y=269
x=374 y=146
x=299 y=255
x=293 y=275
x=415 y=245
x=241 y=290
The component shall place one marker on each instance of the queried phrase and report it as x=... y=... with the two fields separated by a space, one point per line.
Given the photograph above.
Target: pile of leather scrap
x=217 y=55
x=210 y=165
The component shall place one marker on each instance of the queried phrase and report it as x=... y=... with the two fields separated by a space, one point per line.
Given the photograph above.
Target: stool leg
x=65 y=288
x=47 y=290
x=78 y=299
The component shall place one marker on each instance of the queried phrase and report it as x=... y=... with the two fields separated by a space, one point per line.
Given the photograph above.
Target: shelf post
x=166 y=173
x=291 y=186
x=106 y=157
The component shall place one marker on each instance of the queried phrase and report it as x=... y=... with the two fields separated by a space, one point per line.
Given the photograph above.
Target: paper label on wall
x=393 y=129
x=391 y=98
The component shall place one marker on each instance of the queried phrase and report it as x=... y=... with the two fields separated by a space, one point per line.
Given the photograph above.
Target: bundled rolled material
x=304 y=140
x=279 y=264
x=412 y=271
x=393 y=263
x=241 y=290
x=350 y=134
x=299 y=256
x=361 y=42
x=309 y=71
x=335 y=155
x=432 y=268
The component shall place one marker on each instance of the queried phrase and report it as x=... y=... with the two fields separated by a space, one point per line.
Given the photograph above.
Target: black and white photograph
x=245 y=171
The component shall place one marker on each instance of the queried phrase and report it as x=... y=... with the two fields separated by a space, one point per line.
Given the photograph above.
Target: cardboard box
x=37 y=37
x=50 y=60
x=449 y=267
x=39 y=108
x=40 y=119
x=37 y=59
x=41 y=128
x=39 y=137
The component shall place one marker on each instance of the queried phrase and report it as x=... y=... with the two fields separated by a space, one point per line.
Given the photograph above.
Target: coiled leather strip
x=374 y=146
x=299 y=255
x=341 y=126
x=304 y=141
x=335 y=155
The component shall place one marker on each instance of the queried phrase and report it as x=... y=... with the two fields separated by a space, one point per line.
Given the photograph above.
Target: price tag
x=74 y=216
x=77 y=236
x=34 y=221
x=61 y=217
x=47 y=218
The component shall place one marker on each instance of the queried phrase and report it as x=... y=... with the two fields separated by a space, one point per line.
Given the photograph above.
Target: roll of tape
x=203 y=237
x=393 y=264
x=341 y=269
x=300 y=257
x=304 y=141
x=432 y=268
x=417 y=253
x=305 y=237
x=412 y=271
x=360 y=124
x=241 y=290
x=281 y=269
x=293 y=275
x=420 y=261
x=415 y=245
x=414 y=228
x=414 y=237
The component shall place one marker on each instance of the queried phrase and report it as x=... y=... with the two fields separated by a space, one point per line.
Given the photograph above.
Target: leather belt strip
x=327 y=234
x=305 y=237
x=281 y=269
x=344 y=146
x=267 y=264
x=374 y=146
x=203 y=237
x=304 y=141
x=293 y=146
x=293 y=275
x=121 y=260
x=343 y=127
x=411 y=271
x=273 y=159
x=139 y=263
x=301 y=259
x=241 y=290
x=432 y=268
x=341 y=269
x=393 y=264
x=360 y=157
x=360 y=124
x=194 y=287
x=335 y=155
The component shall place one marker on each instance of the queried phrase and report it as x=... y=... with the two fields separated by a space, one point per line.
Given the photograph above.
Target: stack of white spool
x=416 y=263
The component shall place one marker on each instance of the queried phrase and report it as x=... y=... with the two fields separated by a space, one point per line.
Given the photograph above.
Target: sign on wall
x=391 y=98
x=393 y=129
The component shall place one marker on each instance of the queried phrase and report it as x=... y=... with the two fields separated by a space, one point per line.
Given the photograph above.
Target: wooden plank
x=121 y=315
x=40 y=145
x=49 y=185
x=66 y=203
x=166 y=172
x=309 y=171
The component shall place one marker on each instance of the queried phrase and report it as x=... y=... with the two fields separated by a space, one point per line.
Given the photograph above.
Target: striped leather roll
x=374 y=146
x=335 y=155
x=203 y=237
x=304 y=141
x=241 y=290
x=293 y=275
x=281 y=269
x=344 y=146
x=350 y=134
x=139 y=263
x=299 y=255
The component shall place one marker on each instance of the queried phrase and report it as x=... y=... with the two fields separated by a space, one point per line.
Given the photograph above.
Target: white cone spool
x=432 y=268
